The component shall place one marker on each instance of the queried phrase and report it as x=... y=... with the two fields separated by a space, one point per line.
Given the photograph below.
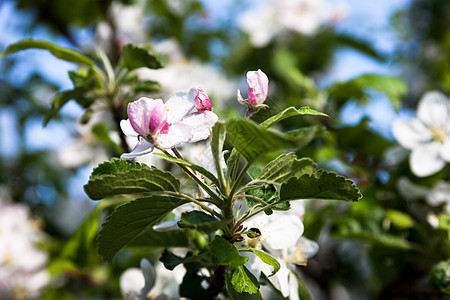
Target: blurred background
x=364 y=63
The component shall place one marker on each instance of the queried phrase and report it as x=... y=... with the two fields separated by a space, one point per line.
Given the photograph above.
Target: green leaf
x=285 y=166
x=234 y=295
x=224 y=253
x=303 y=291
x=290 y=112
x=320 y=185
x=59 y=100
x=160 y=239
x=266 y=258
x=195 y=167
x=304 y=136
x=399 y=219
x=253 y=171
x=59 y=52
x=134 y=57
x=101 y=132
x=119 y=176
x=252 y=141
x=267 y=194
x=244 y=281
x=132 y=219
x=440 y=276
x=170 y=260
x=394 y=87
x=201 y=221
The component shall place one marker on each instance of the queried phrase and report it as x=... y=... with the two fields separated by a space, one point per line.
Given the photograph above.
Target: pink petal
x=239 y=97
x=147 y=116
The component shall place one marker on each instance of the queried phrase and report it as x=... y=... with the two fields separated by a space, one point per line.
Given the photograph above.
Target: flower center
x=439 y=133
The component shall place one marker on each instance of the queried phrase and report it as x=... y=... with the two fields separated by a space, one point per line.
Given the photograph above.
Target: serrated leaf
x=223 y=253
x=234 y=295
x=252 y=141
x=134 y=57
x=195 y=167
x=267 y=194
x=266 y=258
x=290 y=112
x=285 y=166
x=58 y=51
x=160 y=239
x=320 y=185
x=202 y=222
x=132 y=219
x=244 y=281
x=118 y=176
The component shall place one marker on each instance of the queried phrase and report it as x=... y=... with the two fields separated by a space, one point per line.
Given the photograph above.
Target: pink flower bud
x=258 y=87
x=202 y=101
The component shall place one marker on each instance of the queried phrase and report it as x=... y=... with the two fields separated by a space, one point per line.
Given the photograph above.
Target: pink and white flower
x=258 y=89
x=185 y=118
x=427 y=135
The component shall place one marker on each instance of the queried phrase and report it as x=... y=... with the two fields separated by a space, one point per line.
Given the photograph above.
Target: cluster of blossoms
x=22 y=263
x=186 y=117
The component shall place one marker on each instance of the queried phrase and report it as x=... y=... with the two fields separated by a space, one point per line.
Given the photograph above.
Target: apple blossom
x=427 y=135
x=167 y=125
x=258 y=89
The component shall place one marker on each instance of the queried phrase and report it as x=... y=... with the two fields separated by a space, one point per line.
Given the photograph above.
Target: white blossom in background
x=148 y=281
x=273 y=17
x=181 y=74
x=281 y=236
x=22 y=262
x=437 y=195
x=427 y=135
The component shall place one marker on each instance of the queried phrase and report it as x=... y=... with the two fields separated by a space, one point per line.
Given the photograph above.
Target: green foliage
x=170 y=260
x=290 y=112
x=203 y=222
x=252 y=141
x=243 y=281
x=156 y=239
x=394 y=87
x=303 y=291
x=58 y=51
x=218 y=135
x=234 y=295
x=440 y=276
x=134 y=57
x=320 y=185
x=132 y=219
x=265 y=194
x=124 y=177
x=223 y=253
x=285 y=166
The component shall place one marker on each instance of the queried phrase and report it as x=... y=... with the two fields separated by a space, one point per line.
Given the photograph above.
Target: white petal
x=179 y=105
x=283 y=231
x=127 y=129
x=281 y=279
x=411 y=133
x=445 y=149
x=425 y=160
x=131 y=283
x=439 y=194
x=142 y=148
x=178 y=134
x=433 y=109
x=293 y=287
x=149 y=276
x=202 y=122
x=307 y=247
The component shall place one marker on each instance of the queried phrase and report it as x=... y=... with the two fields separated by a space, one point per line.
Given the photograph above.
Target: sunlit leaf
x=58 y=51
x=290 y=112
x=244 y=281
x=124 y=177
x=134 y=57
x=132 y=219
x=266 y=258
